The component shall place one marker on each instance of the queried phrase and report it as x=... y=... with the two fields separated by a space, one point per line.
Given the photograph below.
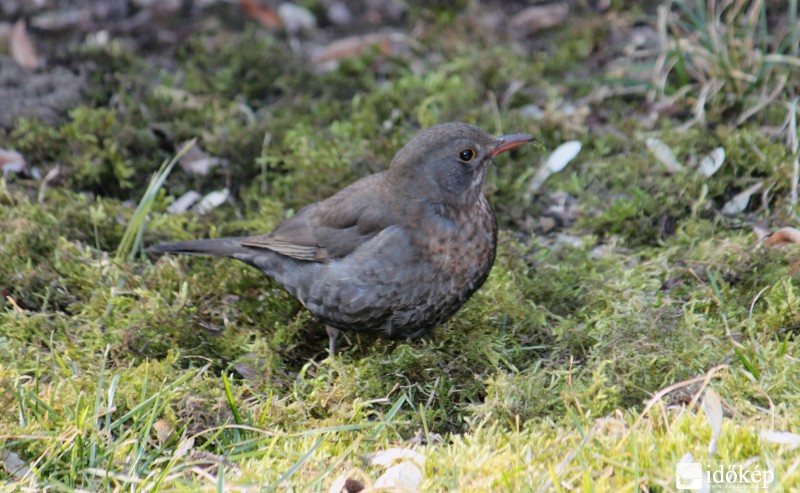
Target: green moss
x=98 y=152
x=547 y=368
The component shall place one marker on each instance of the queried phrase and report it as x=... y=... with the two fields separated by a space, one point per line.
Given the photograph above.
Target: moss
x=98 y=156
x=640 y=285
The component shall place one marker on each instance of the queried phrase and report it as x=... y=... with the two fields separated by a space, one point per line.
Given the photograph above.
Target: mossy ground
x=109 y=370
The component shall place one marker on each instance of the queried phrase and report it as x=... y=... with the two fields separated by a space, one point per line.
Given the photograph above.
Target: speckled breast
x=460 y=261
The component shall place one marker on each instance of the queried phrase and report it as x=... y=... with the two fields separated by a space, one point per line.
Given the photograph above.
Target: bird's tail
x=222 y=247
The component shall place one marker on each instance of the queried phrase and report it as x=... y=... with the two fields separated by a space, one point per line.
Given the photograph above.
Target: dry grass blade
x=733 y=46
x=703 y=380
x=792 y=141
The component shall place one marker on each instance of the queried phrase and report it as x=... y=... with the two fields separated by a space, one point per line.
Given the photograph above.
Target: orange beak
x=507 y=142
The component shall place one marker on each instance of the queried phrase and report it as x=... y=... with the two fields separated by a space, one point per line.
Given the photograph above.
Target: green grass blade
x=131 y=240
x=297 y=465
x=149 y=401
x=389 y=416
x=231 y=401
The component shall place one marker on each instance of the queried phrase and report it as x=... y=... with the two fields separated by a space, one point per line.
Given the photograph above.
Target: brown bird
x=396 y=253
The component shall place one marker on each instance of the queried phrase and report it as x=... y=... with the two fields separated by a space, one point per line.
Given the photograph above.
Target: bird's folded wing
x=330 y=229
x=300 y=252
x=294 y=238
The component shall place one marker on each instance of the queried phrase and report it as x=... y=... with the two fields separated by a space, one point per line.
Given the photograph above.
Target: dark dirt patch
x=45 y=95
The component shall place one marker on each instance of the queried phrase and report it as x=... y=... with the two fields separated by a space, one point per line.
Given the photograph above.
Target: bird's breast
x=464 y=248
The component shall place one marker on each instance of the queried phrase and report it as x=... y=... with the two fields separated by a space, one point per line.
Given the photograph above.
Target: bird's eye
x=466 y=155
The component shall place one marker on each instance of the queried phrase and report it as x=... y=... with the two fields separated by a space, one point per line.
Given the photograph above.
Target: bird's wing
x=332 y=228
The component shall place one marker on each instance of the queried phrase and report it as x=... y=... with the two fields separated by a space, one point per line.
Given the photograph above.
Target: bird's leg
x=333 y=334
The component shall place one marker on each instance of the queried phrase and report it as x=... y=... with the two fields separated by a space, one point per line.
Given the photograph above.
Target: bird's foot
x=333 y=334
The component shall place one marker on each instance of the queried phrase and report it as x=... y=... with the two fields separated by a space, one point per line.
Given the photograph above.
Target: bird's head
x=447 y=163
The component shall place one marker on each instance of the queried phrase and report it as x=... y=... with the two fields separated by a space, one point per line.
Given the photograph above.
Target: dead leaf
x=547 y=224
x=556 y=162
x=533 y=19
x=712 y=162
x=346 y=484
x=296 y=18
x=352 y=46
x=740 y=201
x=264 y=15
x=664 y=154
x=164 y=430
x=183 y=202
x=338 y=13
x=405 y=476
x=184 y=447
x=390 y=456
x=212 y=201
x=14 y=465
x=22 y=50
x=781 y=438
x=203 y=165
x=197 y=162
x=712 y=408
x=11 y=162
x=783 y=236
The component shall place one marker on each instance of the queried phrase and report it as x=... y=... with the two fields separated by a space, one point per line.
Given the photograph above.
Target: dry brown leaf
x=533 y=19
x=22 y=50
x=164 y=430
x=353 y=46
x=11 y=162
x=264 y=15
x=783 y=236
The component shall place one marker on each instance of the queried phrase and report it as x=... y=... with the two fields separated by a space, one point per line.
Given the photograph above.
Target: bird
x=395 y=253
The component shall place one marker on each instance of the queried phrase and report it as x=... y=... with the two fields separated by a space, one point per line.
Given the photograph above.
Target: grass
x=583 y=362
x=738 y=57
